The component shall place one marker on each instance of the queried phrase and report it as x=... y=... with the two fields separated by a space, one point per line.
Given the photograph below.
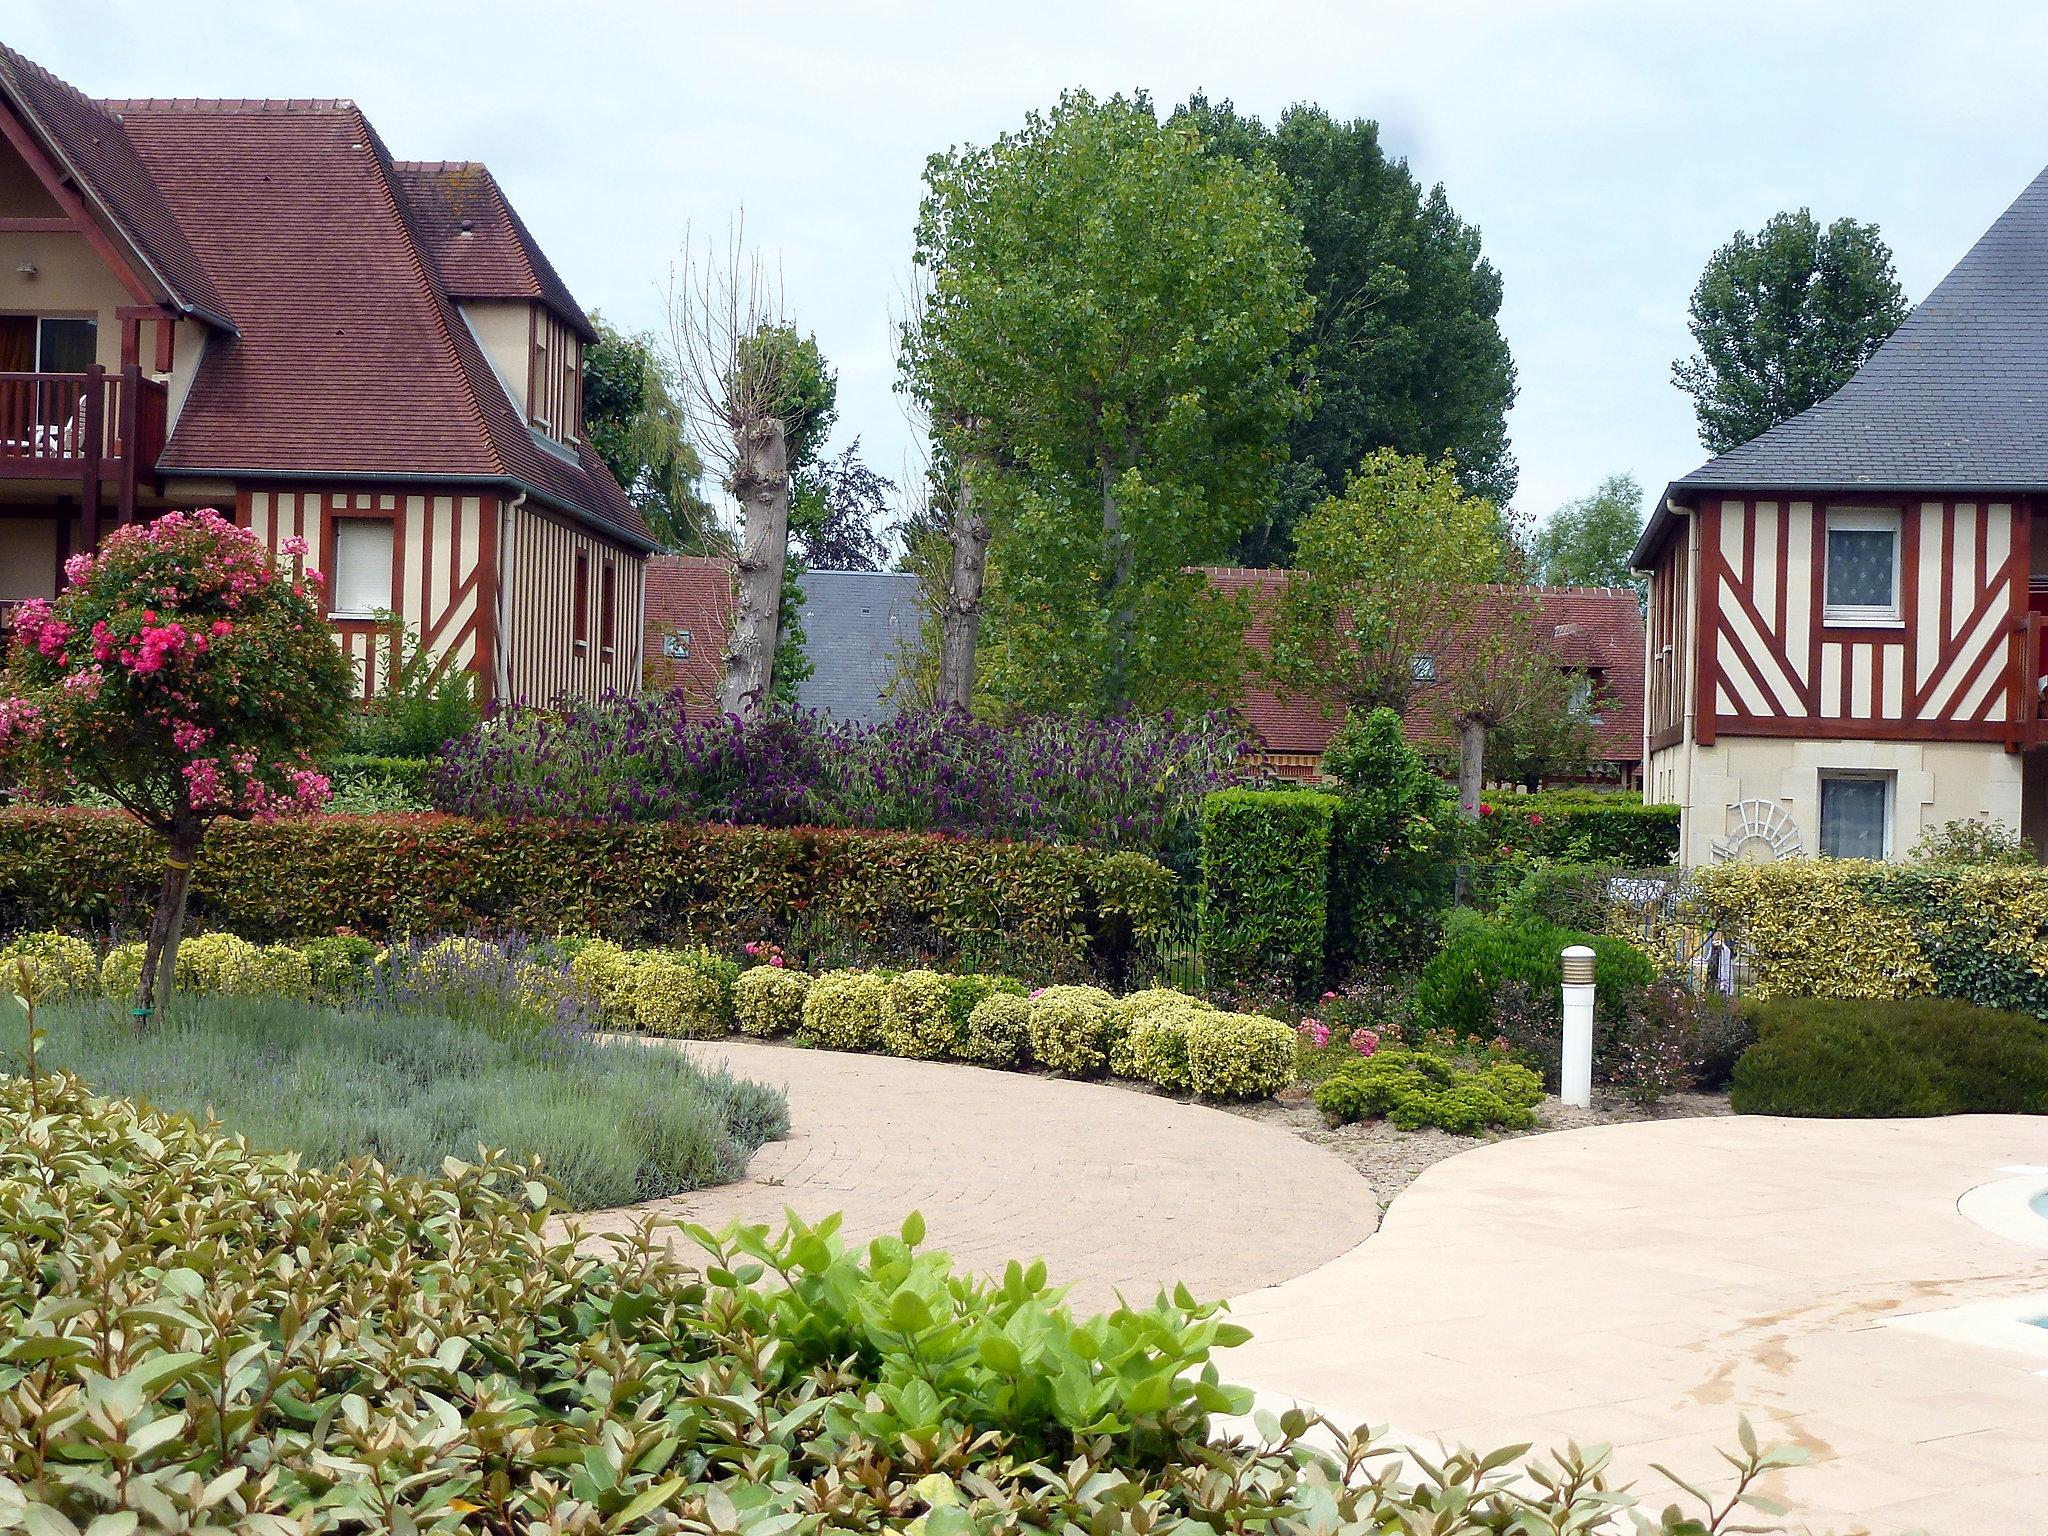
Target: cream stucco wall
x=1935 y=783
x=69 y=279
x=505 y=329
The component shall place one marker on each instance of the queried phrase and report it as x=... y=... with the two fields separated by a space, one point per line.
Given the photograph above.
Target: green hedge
x=659 y=883
x=1265 y=884
x=1458 y=986
x=1584 y=828
x=1857 y=1058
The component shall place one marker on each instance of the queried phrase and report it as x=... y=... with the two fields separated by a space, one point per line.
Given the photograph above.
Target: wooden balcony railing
x=95 y=427
x=2025 y=708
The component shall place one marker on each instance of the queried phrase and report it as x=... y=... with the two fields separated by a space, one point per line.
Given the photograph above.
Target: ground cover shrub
x=611 y=1124
x=1857 y=1058
x=843 y=1010
x=1237 y=1055
x=768 y=1000
x=466 y=1396
x=1265 y=885
x=1419 y=1089
x=1076 y=908
x=1116 y=784
x=1072 y=1029
x=1458 y=988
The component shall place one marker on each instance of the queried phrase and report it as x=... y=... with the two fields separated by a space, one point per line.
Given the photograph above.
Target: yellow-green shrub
x=999 y=1030
x=1127 y=1013
x=769 y=1000
x=843 y=1010
x=676 y=995
x=604 y=973
x=63 y=962
x=216 y=963
x=1238 y=1055
x=280 y=970
x=917 y=1017
x=121 y=971
x=1071 y=1029
x=1808 y=928
x=1157 y=1046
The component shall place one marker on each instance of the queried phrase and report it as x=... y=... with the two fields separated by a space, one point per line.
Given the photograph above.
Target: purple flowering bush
x=1123 y=784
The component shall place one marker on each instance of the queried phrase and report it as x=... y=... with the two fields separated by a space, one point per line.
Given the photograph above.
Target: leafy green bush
x=681 y=992
x=1417 y=1089
x=1265 y=885
x=506 y=1380
x=672 y=883
x=768 y=1000
x=1967 y=841
x=65 y=963
x=338 y=967
x=1854 y=1059
x=917 y=1017
x=1390 y=881
x=1072 y=1029
x=360 y=785
x=1237 y=1055
x=1582 y=827
x=612 y=1124
x=1156 y=1046
x=843 y=1010
x=1457 y=988
x=1129 y=1014
x=998 y=1031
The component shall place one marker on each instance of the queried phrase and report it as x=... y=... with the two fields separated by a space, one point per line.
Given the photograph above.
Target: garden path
x=1119 y=1191
x=1643 y=1284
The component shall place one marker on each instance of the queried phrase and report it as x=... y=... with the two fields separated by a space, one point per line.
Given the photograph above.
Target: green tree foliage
x=1405 y=350
x=634 y=419
x=1108 y=328
x=1587 y=542
x=1781 y=319
x=1380 y=574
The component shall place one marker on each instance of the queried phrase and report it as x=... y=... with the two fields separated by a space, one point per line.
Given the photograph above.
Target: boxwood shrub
x=1584 y=827
x=1457 y=987
x=1857 y=1058
x=1265 y=885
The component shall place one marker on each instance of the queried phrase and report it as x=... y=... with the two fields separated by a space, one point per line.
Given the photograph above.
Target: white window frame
x=1828 y=776
x=342 y=527
x=1866 y=520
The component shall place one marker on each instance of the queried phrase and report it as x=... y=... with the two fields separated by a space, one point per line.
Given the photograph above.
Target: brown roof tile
x=476 y=238
x=690 y=593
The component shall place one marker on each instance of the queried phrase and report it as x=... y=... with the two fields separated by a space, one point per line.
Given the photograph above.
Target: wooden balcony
x=94 y=429
x=2026 y=709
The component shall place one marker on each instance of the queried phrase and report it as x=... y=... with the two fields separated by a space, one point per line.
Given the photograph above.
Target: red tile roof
x=1592 y=627
x=347 y=355
x=693 y=594
x=479 y=243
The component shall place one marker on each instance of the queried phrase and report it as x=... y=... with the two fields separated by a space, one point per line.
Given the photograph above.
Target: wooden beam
x=53 y=226
x=79 y=216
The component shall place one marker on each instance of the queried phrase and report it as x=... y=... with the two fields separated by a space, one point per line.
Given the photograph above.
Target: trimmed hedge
x=661 y=883
x=1851 y=929
x=1265 y=884
x=1457 y=987
x=1858 y=1059
x=1584 y=828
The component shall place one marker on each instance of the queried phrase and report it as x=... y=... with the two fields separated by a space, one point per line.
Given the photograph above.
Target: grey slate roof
x=857 y=626
x=1956 y=400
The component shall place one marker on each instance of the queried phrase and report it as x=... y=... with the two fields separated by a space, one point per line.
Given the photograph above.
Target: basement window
x=1855 y=815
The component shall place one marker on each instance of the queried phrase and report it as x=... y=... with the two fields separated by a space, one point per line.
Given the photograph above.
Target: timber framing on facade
x=1844 y=626
x=251 y=305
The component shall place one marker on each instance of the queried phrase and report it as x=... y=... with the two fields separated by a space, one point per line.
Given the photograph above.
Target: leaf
x=913 y=1229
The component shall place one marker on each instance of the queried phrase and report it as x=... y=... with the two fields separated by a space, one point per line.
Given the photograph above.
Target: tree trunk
x=1471 y=765
x=160 y=953
x=961 y=620
x=1116 y=560
x=762 y=487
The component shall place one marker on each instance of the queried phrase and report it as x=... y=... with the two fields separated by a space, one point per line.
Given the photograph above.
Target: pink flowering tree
x=186 y=676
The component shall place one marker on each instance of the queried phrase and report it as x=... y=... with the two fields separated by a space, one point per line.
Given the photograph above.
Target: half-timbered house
x=1844 y=640
x=250 y=304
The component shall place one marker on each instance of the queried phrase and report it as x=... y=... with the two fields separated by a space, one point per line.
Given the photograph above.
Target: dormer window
x=1862 y=566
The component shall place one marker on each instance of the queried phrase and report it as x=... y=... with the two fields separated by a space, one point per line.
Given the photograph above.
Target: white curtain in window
x=362 y=565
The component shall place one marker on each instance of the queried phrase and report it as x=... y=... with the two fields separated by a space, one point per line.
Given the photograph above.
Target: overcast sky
x=1603 y=150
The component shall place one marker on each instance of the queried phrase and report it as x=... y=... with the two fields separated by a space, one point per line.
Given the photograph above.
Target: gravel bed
x=1390 y=1158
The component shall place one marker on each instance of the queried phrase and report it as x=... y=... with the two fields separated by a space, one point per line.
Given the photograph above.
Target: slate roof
x=856 y=626
x=347 y=355
x=1956 y=400
x=1592 y=627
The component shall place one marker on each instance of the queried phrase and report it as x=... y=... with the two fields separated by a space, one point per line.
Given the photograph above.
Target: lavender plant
x=1125 y=783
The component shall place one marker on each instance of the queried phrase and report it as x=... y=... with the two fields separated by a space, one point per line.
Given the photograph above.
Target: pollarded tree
x=186 y=676
x=1380 y=574
x=1782 y=318
x=1105 y=334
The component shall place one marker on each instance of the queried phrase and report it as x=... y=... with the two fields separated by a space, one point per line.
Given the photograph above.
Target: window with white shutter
x=362 y=566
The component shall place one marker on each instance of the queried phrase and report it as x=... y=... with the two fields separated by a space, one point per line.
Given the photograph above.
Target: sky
x=1603 y=149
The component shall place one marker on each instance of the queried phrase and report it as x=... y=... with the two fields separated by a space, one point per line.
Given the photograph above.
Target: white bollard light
x=1575 y=1072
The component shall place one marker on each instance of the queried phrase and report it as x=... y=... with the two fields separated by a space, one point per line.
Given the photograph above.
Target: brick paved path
x=1116 y=1190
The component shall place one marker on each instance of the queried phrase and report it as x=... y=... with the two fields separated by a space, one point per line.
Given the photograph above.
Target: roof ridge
x=225 y=105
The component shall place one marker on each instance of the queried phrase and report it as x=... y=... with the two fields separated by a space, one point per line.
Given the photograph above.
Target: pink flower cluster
x=1365 y=1041
x=1313 y=1032
x=763 y=953
x=19 y=718
x=235 y=787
